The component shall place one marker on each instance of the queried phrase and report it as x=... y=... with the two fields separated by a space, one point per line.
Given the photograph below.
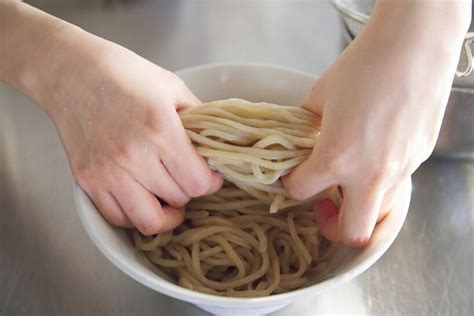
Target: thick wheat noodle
x=238 y=158
x=250 y=238
x=213 y=111
x=256 y=151
x=300 y=139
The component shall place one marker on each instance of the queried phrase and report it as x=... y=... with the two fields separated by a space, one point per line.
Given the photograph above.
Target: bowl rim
x=342 y=6
x=82 y=202
x=243 y=64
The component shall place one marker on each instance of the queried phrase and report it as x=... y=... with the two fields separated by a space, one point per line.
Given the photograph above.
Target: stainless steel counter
x=48 y=265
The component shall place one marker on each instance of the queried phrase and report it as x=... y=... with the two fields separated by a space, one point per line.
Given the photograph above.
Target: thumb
x=309 y=178
x=186 y=98
x=314 y=100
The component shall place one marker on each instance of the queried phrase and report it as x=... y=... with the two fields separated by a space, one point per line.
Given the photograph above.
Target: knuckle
x=297 y=193
x=197 y=187
x=119 y=221
x=149 y=227
x=125 y=155
x=179 y=201
x=84 y=177
x=336 y=164
x=383 y=169
x=356 y=241
x=377 y=174
x=157 y=128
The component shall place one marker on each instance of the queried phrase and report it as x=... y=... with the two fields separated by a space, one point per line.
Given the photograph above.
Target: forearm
x=39 y=52
x=433 y=28
x=411 y=42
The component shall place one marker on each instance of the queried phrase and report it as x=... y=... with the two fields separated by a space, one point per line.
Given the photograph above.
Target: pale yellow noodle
x=250 y=238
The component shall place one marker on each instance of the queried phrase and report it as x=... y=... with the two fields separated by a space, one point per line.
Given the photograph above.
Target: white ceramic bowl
x=253 y=82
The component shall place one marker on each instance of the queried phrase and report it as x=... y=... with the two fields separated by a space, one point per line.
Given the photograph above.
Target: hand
x=382 y=104
x=116 y=114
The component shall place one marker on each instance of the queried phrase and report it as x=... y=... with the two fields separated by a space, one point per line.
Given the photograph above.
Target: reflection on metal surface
x=49 y=266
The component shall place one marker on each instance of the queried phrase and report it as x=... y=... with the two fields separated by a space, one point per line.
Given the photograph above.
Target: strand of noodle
x=237 y=240
x=210 y=252
x=223 y=207
x=265 y=179
x=293 y=283
x=195 y=234
x=164 y=262
x=249 y=258
x=275 y=139
x=232 y=255
x=196 y=214
x=277 y=203
x=173 y=252
x=302 y=265
x=235 y=177
x=261 y=110
x=240 y=123
x=305 y=142
x=229 y=243
x=244 y=136
x=213 y=111
x=299 y=244
x=239 y=157
x=232 y=284
x=253 y=152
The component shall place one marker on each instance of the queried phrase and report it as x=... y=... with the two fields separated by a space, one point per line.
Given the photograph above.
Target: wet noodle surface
x=249 y=239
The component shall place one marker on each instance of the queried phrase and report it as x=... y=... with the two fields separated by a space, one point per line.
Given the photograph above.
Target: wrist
x=419 y=36
x=41 y=55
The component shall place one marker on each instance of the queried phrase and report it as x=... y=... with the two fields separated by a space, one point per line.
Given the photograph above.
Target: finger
x=387 y=202
x=186 y=98
x=309 y=178
x=359 y=213
x=160 y=182
x=325 y=215
x=156 y=179
x=143 y=208
x=314 y=101
x=186 y=166
x=110 y=209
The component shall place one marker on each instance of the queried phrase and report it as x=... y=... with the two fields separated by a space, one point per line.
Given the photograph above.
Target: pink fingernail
x=323 y=211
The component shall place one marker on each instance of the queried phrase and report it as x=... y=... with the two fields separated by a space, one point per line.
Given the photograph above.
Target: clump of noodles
x=229 y=243
x=253 y=144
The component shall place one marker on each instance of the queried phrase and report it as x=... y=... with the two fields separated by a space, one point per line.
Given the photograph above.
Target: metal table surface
x=48 y=265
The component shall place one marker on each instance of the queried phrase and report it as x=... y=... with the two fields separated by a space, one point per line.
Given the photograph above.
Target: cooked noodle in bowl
x=250 y=238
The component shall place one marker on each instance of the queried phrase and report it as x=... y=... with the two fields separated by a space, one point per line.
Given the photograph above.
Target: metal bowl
x=356 y=13
x=456 y=138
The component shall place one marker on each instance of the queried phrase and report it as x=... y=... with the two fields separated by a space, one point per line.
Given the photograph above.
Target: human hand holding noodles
x=382 y=104
x=127 y=145
x=116 y=114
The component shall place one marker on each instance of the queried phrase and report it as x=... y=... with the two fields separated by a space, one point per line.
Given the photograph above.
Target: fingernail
x=323 y=211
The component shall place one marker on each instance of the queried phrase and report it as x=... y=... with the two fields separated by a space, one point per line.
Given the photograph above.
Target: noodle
x=253 y=145
x=250 y=238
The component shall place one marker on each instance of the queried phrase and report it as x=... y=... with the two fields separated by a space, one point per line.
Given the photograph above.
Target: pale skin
x=381 y=103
